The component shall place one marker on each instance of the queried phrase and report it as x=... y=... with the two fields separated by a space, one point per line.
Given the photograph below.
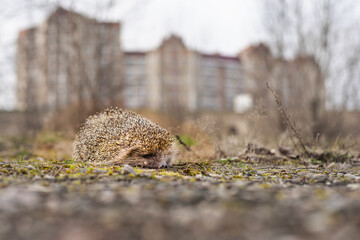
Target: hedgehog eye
x=149 y=155
x=133 y=152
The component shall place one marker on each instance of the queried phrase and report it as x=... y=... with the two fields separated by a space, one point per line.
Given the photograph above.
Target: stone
x=127 y=169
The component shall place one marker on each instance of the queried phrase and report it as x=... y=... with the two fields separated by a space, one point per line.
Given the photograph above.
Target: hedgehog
x=118 y=136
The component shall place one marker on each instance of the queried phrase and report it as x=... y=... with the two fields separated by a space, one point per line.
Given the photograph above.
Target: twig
x=186 y=146
x=182 y=143
x=287 y=121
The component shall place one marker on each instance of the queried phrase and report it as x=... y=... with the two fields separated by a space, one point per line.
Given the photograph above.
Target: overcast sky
x=224 y=26
x=212 y=26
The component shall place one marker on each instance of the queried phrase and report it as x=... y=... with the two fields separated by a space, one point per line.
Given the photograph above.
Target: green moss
x=238 y=177
x=170 y=174
x=22 y=171
x=228 y=160
x=191 y=172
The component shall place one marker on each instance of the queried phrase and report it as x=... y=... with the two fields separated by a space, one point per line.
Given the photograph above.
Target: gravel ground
x=252 y=197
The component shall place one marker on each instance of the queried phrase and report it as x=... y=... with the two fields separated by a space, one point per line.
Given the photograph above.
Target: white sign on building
x=243 y=103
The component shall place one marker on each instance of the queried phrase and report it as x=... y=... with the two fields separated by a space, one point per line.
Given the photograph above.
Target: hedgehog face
x=137 y=157
x=160 y=159
x=153 y=161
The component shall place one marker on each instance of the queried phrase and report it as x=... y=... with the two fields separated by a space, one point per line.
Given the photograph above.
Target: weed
x=294 y=133
x=20 y=159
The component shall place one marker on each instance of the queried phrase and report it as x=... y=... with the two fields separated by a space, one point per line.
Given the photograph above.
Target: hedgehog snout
x=163 y=165
x=160 y=162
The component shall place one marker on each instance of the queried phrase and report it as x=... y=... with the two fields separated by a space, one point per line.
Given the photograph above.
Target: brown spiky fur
x=117 y=136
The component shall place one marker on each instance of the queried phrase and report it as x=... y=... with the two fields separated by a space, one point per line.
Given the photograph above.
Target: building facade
x=173 y=78
x=135 y=93
x=72 y=59
x=66 y=60
x=298 y=82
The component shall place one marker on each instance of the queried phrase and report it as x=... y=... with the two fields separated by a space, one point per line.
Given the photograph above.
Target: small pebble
x=49 y=177
x=36 y=178
x=319 y=177
x=30 y=167
x=258 y=177
x=350 y=176
x=146 y=174
x=96 y=170
x=300 y=174
x=127 y=169
x=199 y=176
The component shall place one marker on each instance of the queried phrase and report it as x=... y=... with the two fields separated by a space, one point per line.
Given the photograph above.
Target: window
x=135 y=96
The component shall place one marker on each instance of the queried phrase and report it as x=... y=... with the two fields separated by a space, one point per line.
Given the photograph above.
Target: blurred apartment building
x=71 y=59
x=298 y=82
x=175 y=78
x=67 y=59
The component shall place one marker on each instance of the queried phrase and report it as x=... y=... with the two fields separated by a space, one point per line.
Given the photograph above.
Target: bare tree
x=314 y=29
x=83 y=76
x=318 y=29
x=276 y=22
x=85 y=64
